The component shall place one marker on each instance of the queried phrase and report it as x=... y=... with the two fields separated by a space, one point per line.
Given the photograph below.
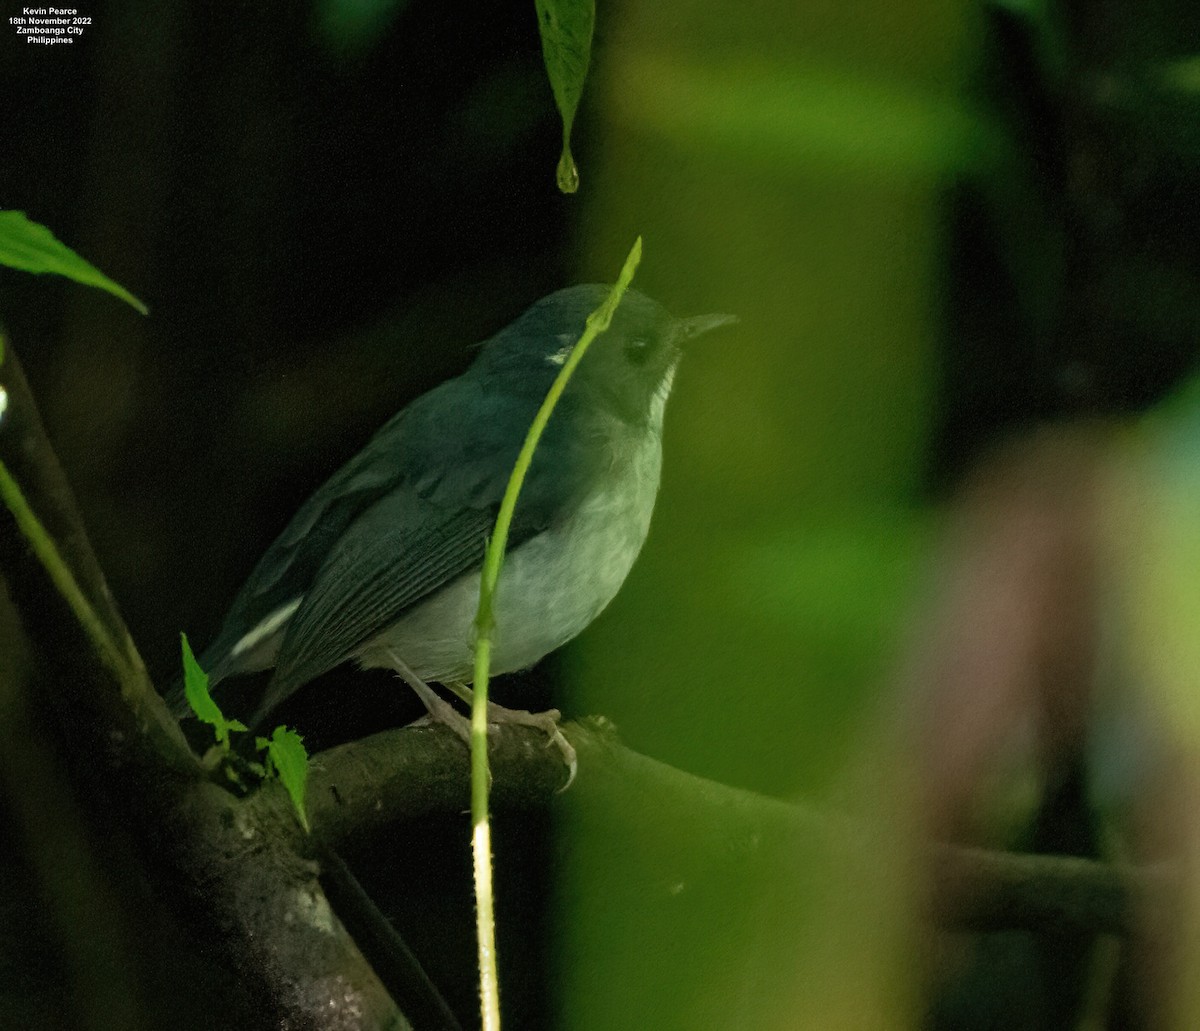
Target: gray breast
x=551 y=587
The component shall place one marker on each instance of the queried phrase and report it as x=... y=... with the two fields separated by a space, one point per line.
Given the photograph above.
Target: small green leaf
x=195 y=689
x=195 y=685
x=289 y=758
x=566 y=29
x=31 y=247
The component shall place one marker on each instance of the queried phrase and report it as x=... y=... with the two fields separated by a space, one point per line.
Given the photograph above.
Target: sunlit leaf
x=195 y=685
x=289 y=758
x=566 y=29
x=31 y=247
x=195 y=688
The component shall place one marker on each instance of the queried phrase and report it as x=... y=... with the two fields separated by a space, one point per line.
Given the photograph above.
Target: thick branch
x=401 y=774
x=997 y=891
x=242 y=865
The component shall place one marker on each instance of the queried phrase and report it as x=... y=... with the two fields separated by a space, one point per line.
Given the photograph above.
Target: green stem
x=597 y=322
x=44 y=548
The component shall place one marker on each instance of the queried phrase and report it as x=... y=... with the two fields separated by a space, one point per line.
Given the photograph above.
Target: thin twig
x=485 y=623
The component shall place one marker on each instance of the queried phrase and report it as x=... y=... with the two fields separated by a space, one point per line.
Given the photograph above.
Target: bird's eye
x=637 y=351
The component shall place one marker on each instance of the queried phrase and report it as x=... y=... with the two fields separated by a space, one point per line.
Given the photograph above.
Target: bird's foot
x=547 y=722
x=441 y=711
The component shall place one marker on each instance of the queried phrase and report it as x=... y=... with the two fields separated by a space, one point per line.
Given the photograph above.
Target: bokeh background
x=941 y=223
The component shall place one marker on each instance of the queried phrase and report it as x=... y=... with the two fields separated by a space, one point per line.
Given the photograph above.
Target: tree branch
x=242 y=867
x=400 y=774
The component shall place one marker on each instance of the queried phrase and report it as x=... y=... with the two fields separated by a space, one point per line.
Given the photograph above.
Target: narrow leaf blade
x=566 y=29
x=31 y=247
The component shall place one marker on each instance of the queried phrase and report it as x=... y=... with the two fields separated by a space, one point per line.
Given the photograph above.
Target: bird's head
x=628 y=369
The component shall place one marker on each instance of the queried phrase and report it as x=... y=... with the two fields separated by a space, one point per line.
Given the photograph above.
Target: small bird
x=381 y=566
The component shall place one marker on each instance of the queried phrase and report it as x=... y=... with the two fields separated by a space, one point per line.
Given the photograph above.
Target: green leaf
x=195 y=684
x=195 y=689
x=289 y=758
x=566 y=29
x=31 y=247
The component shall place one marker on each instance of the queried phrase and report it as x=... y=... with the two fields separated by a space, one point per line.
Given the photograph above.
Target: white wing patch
x=559 y=357
x=266 y=627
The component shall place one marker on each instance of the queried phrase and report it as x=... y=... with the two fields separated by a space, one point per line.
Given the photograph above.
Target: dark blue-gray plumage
x=381 y=565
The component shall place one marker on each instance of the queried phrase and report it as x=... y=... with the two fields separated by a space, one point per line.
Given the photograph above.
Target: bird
x=381 y=565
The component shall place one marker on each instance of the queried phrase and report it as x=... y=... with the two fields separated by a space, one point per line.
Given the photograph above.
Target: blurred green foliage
x=1161 y=552
x=786 y=166
x=752 y=109
x=348 y=28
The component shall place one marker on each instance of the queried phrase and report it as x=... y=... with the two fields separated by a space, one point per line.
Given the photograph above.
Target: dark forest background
x=941 y=224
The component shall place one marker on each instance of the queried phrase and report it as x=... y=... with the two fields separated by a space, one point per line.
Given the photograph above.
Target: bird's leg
x=440 y=710
x=547 y=722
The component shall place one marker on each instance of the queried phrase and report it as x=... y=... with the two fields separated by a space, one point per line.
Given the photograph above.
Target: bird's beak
x=699 y=324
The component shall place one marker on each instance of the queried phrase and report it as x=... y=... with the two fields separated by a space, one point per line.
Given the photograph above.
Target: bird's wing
x=398 y=553
x=289 y=566
x=421 y=536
